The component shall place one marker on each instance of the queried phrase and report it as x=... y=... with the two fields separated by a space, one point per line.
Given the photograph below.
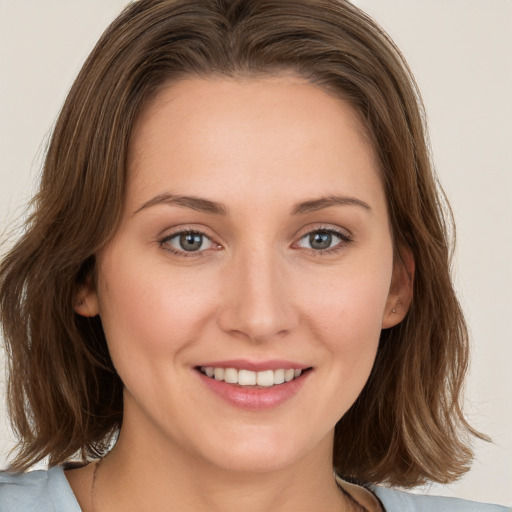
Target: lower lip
x=253 y=398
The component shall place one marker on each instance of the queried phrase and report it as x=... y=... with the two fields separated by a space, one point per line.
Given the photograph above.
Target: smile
x=242 y=377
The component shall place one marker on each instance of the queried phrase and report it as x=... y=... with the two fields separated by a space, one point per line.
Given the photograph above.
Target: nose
x=257 y=301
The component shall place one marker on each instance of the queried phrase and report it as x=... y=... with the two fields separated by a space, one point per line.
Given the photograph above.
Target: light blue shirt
x=49 y=491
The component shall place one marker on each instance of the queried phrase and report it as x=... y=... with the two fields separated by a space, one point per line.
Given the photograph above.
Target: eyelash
x=183 y=253
x=345 y=240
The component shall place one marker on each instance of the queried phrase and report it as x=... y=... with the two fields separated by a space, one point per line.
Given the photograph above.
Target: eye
x=187 y=242
x=323 y=240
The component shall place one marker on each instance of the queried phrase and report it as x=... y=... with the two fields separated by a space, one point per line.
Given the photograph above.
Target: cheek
x=347 y=318
x=348 y=309
x=147 y=312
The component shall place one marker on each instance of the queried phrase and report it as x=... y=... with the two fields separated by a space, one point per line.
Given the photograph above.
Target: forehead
x=258 y=134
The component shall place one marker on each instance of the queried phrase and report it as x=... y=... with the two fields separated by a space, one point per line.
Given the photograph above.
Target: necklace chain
x=348 y=497
x=97 y=465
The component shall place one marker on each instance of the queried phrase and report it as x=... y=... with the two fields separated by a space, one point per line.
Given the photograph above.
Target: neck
x=142 y=474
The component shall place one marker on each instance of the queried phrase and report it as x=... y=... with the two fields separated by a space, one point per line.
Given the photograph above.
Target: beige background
x=461 y=53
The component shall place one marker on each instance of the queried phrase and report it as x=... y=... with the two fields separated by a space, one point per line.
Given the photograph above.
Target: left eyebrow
x=326 y=202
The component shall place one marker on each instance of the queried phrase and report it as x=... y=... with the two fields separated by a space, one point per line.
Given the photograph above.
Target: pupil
x=191 y=241
x=321 y=240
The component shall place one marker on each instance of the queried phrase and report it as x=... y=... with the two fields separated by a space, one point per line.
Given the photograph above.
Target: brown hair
x=407 y=426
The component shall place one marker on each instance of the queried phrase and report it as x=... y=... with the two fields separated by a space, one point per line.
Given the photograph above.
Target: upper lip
x=255 y=366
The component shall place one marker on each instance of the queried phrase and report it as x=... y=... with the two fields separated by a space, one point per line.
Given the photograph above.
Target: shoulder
x=393 y=499
x=41 y=491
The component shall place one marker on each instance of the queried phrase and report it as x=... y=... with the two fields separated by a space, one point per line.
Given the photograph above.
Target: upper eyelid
x=344 y=232
x=344 y=238
x=162 y=241
x=174 y=234
x=179 y=232
x=304 y=231
x=299 y=234
x=170 y=232
x=334 y=232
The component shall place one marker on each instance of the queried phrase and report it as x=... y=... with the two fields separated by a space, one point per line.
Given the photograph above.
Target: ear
x=401 y=289
x=86 y=299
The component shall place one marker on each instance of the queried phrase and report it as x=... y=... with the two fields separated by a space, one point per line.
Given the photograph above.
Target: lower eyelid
x=166 y=245
x=344 y=238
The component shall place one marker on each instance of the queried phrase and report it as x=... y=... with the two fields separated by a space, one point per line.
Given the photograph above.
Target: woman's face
x=255 y=243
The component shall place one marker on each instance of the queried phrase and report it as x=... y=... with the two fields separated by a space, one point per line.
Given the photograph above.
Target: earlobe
x=401 y=290
x=86 y=299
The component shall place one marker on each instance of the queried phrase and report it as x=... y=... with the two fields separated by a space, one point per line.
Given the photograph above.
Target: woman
x=235 y=279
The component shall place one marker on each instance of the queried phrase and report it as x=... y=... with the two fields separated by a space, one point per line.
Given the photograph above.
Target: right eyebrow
x=195 y=203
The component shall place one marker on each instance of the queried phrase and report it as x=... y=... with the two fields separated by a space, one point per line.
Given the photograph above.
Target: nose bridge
x=256 y=303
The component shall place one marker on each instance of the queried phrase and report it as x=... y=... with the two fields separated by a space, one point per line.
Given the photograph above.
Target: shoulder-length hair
x=64 y=395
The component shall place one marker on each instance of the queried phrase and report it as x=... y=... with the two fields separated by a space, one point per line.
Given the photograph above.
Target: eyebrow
x=326 y=202
x=195 y=203
x=207 y=206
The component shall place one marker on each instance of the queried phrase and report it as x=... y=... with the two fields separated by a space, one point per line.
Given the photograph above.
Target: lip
x=254 y=398
x=255 y=366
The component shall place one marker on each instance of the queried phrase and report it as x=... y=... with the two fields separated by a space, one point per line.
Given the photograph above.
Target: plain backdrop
x=461 y=54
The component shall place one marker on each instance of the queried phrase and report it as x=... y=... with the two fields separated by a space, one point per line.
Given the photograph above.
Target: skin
x=257 y=291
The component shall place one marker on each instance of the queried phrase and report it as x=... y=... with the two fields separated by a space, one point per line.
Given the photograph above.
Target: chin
x=259 y=454
x=255 y=462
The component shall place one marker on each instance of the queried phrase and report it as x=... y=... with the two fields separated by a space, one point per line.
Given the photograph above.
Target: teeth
x=231 y=375
x=265 y=378
x=278 y=376
x=246 y=378
x=288 y=374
